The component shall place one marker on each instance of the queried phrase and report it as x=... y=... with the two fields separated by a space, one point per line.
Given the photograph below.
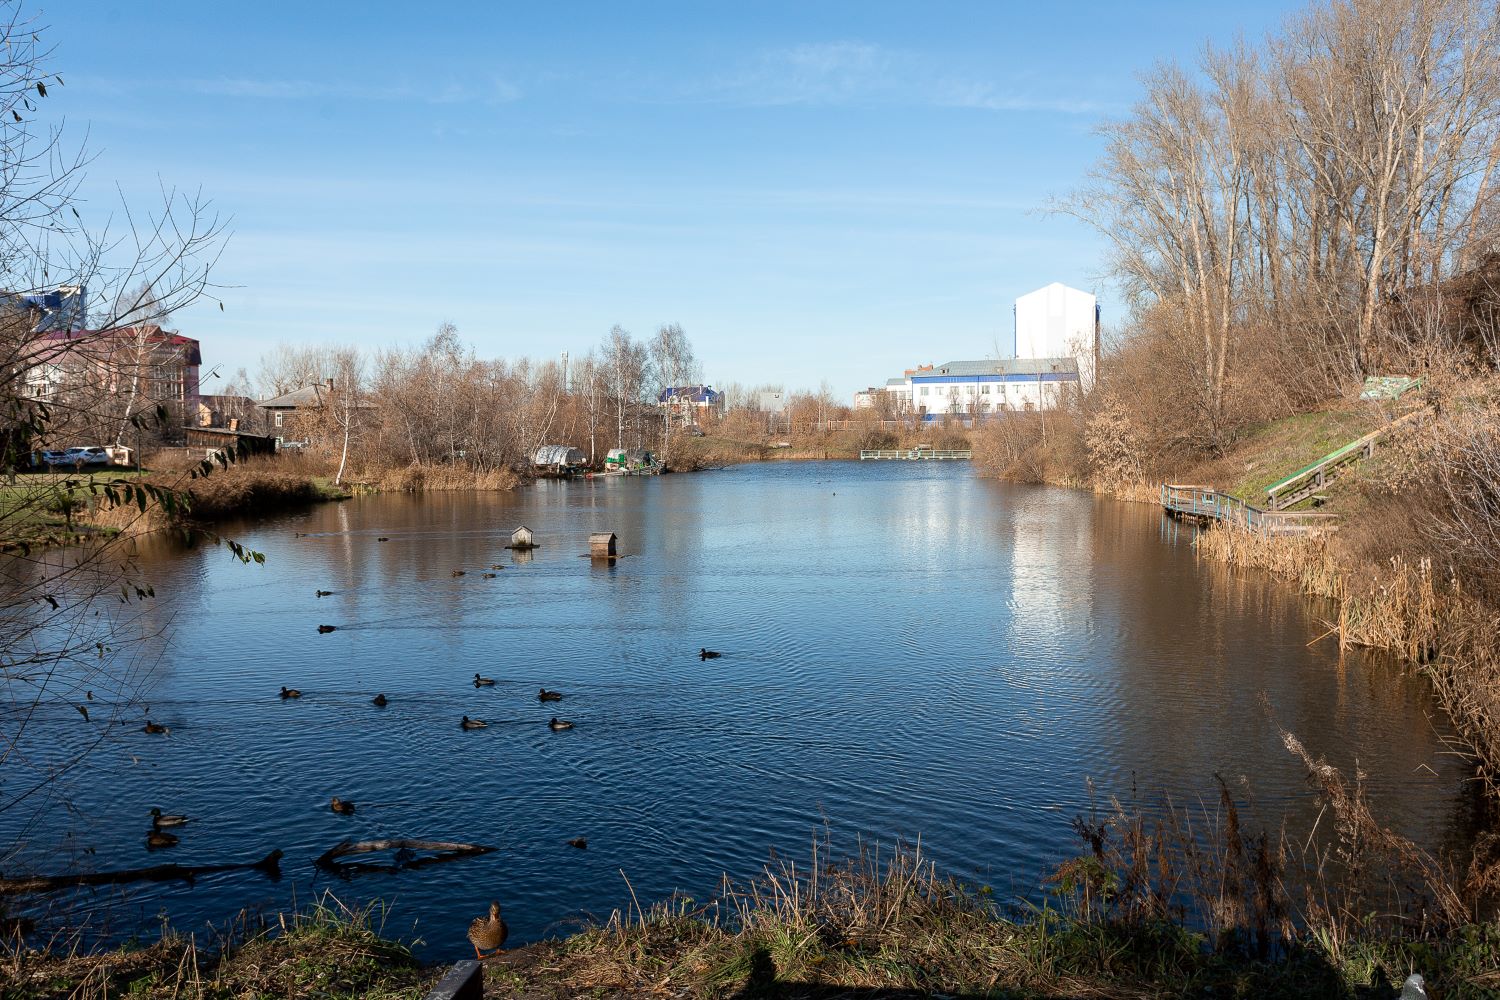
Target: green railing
x=1307 y=481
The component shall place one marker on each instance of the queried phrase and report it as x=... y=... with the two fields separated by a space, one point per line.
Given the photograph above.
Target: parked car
x=54 y=456
x=86 y=455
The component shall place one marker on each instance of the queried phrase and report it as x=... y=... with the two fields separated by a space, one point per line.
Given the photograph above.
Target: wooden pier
x=1204 y=504
x=916 y=454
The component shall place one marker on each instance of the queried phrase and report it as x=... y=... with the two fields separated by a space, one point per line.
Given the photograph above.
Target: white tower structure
x=1059 y=322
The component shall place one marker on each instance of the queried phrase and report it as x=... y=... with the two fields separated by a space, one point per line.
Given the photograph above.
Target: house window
x=279 y=415
x=985 y=389
x=924 y=390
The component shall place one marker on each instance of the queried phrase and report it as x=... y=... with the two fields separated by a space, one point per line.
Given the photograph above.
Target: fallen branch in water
x=406 y=857
x=270 y=864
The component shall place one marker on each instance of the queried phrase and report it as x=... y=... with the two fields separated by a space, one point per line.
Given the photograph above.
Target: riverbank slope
x=1414 y=561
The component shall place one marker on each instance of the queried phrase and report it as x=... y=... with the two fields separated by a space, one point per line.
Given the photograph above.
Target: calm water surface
x=908 y=651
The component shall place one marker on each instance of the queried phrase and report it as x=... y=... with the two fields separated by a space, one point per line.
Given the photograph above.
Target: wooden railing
x=1204 y=503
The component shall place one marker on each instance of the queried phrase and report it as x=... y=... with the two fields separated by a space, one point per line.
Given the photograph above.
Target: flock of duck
x=486 y=933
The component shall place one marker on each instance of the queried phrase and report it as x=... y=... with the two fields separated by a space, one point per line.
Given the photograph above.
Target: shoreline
x=1118 y=921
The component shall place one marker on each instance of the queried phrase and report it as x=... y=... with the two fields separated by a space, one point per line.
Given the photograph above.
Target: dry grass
x=1401 y=606
x=434 y=479
x=737 y=441
x=330 y=950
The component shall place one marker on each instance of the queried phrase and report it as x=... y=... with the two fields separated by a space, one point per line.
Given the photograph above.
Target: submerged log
x=270 y=864
x=406 y=857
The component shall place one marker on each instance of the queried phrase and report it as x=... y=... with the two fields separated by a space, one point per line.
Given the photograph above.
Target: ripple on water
x=923 y=654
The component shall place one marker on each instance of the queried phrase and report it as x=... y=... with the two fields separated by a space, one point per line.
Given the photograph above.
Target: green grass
x=1276 y=450
x=38 y=510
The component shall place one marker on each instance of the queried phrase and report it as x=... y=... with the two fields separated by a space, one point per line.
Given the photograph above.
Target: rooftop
x=995 y=366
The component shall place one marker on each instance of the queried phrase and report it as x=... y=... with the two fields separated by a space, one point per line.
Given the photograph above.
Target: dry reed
x=434 y=478
x=1401 y=607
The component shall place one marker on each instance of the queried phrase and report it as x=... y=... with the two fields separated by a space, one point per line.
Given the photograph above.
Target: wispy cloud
x=492 y=91
x=865 y=74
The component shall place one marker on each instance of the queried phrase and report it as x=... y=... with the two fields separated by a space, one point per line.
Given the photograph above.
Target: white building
x=1059 y=322
x=980 y=388
x=1057 y=352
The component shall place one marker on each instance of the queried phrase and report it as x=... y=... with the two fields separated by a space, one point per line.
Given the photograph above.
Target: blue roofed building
x=688 y=402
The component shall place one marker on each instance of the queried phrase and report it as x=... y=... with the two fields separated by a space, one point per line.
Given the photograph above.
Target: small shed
x=521 y=539
x=558 y=456
x=615 y=457
x=637 y=458
x=602 y=545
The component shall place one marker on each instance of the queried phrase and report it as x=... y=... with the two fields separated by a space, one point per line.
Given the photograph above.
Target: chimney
x=330 y=382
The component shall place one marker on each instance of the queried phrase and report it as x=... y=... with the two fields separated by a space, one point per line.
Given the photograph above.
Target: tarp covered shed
x=638 y=456
x=558 y=455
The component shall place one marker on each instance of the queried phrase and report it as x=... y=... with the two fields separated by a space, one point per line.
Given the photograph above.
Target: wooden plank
x=464 y=981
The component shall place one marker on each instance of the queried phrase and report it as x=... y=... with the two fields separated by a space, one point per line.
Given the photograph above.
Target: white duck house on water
x=602 y=545
x=521 y=538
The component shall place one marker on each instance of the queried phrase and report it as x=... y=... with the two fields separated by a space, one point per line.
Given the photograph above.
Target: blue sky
x=816 y=190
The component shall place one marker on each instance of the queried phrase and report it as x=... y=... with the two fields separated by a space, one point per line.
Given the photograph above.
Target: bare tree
x=54 y=643
x=673 y=366
x=625 y=364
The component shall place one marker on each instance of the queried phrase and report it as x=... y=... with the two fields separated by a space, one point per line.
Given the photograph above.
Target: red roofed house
x=111 y=374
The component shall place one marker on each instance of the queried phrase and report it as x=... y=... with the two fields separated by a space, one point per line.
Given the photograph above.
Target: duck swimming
x=160 y=819
x=558 y=725
x=341 y=806
x=545 y=695
x=287 y=692
x=327 y=628
x=382 y=538
x=579 y=843
x=155 y=839
x=379 y=700
x=708 y=654
x=323 y=593
x=488 y=932
x=153 y=727
x=468 y=723
x=483 y=682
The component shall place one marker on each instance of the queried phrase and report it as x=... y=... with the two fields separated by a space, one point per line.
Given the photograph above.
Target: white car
x=86 y=455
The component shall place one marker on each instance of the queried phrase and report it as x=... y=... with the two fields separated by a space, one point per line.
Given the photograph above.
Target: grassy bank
x=43 y=510
x=326 y=951
x=40 y=510
x=734 y=445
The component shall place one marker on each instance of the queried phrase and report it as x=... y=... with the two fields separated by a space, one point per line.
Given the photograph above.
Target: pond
x=908 y=651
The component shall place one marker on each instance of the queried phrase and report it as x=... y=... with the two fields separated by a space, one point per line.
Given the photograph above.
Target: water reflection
x=908 y=651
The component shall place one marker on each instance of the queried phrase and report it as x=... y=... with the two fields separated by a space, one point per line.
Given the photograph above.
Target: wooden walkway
x=1204 y=504
x=916 y=454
